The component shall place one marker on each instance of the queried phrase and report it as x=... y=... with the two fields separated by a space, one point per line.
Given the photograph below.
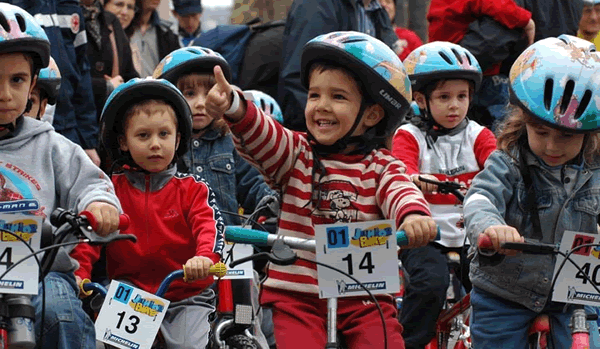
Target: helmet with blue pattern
x=265 y=102
x=441 y=60
x=188 y=60
x=19 y=32
x=557 y=80
x=134 y=91
x=374 y=63
x=49 y=81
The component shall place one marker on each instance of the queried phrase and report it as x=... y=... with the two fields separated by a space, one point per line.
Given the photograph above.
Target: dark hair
x=135 y=22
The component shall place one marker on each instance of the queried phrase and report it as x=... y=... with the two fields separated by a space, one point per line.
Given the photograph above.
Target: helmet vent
x=469 y=59
x=21 y=22
x=445 y=57
x=458 y=57
x=4 y=23
x=262 y=105
x=566 y=99
x=585 y=101
x=548 y=87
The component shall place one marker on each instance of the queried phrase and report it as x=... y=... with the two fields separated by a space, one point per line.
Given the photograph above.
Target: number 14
x=365 y=263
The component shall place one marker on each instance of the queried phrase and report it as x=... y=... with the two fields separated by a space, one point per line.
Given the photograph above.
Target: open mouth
x=325 y=123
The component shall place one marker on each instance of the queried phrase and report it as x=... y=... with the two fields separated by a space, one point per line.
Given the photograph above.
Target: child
x=543 y=181
x=145 y=125
x=38 y=164
x=441 y=144
x=357 y=93
x=45 y=90
x=212 y=155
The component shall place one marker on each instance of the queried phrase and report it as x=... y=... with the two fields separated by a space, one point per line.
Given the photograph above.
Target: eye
x=338 y=96
x=463 y=96
x=17 y=79
x=189 y=93
x=313 y=95
x=164 y=133
x=443 y=97
x=142 y=135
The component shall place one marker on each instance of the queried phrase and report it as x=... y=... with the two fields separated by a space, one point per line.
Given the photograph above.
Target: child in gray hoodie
x=39 y=165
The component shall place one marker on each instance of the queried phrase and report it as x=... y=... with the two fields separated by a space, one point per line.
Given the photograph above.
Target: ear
x=122 y=143
x=177 y=140
x=33 y=83
x=43 y=105
x=373 y=115
x=420 y=99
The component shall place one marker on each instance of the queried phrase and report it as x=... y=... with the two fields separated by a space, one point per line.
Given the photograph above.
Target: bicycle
x=17 y=315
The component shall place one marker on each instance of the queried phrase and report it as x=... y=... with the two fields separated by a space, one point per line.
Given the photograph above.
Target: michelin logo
x=12 y=284
x=344 y=288
x=108 y=336
x=573 y=294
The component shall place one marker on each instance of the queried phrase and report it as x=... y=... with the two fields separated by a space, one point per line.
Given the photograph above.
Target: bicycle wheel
x=239 y=341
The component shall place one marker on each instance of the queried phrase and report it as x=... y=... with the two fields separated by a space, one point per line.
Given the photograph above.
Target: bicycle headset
x=265 y=102
x=379 y=70
x=19 y=32
x=132 y=92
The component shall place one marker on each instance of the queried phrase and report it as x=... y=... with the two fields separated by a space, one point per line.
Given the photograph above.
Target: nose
x=154 y=143
x=200 y=101
x=553 y=144
x=5 y=94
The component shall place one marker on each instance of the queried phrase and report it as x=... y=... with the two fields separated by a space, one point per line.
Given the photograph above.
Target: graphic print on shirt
x=16 y=191
x=335 y=202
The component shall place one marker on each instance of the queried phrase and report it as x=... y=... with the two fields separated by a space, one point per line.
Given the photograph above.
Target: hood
x=26 y=129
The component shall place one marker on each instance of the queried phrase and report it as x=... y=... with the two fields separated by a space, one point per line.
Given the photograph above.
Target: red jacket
x=174 y=217
x=450 y=19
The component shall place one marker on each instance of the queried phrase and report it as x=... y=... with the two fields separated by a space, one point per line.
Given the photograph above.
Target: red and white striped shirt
x=356 y=188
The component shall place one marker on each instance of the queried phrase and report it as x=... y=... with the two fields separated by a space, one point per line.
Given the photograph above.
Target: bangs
x=193 y=81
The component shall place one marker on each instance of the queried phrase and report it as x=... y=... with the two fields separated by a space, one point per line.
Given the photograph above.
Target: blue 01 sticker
x=123 y=293
x=337 y=237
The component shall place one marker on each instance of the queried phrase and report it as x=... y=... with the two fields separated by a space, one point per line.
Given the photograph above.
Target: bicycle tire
x=239 y=341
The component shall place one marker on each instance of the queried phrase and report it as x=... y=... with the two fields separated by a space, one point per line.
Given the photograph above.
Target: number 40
x=365 y=263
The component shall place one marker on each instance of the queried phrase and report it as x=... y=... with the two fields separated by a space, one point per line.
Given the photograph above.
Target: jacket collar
x=156 y=181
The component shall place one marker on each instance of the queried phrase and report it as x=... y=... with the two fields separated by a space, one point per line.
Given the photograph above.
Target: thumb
x=221 y=82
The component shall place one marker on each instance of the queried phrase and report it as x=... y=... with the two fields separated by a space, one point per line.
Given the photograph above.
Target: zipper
x=146 y=195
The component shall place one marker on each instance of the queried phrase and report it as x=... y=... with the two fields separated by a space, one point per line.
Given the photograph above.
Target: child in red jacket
x=173 y=215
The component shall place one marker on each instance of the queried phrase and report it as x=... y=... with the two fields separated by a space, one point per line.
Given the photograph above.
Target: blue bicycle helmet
x=591 y=2
x=188 y=60
x=374 y=63
x=49 y=81
x=19 y=32
x=265 y=102
x=556 y=80
x=441 y=60
x=135 y=91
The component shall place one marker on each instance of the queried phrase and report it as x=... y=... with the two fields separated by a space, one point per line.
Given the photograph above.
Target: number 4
x=365 y=263
x=6 y=258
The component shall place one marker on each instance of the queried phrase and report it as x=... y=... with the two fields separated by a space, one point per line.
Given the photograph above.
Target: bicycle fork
x=332 y=306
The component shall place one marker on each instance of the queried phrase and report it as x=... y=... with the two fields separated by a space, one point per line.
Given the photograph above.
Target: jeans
x=66 y=325
x=498 y=323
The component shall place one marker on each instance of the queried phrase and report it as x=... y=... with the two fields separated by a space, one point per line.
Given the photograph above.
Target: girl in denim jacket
x=212 y=154
x=544 y=179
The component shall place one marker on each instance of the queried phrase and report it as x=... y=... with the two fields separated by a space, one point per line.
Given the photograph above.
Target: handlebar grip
x=87 y=291
x=485 y=246
x=219 y=270
x=123 y=220
x=402 y=239
x=246 y=236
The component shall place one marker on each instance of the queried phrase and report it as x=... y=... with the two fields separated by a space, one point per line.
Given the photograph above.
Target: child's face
x=332 y=107
x=151 y=139
x=38 y=107
x=553 y=146
x=448 y=103
x=195 y=88
x=15 y=86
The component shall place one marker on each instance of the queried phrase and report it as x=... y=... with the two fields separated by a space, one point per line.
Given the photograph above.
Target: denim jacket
x=234 y=181
x=497 y=197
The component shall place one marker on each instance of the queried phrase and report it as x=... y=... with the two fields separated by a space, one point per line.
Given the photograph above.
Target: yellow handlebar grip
x=83 y=282
x=219 y=270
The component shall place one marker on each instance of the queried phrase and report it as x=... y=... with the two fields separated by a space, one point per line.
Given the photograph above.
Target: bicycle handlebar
x=123 y=220
x=446 y=187
x=484 y=243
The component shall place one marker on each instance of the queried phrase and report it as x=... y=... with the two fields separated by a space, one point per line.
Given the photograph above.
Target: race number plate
x=23 y=279
x=130 y=317
x=572 y=286
x=365 y=250
x=241 y=271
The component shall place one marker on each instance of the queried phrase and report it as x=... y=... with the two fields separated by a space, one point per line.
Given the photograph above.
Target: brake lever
x=281 y=254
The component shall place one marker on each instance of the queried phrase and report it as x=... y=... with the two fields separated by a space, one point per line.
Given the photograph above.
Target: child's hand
x=500 y=234
x=218 y=100
x=107 y=217
x=419 y=229
x=197 y=268
x=425 y=187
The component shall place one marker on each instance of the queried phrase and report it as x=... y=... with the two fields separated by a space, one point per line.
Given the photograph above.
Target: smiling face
x=553 y=146
x=15 y=87
x=151 y=136
x=195 y=88
x=123 y=9
x=448 y=103
x=333 y=103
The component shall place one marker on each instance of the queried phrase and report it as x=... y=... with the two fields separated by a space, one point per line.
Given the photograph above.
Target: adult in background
x=310 y=18
x=152 y=36
x=188 y=26
x=108 y=51
x=409 y=40
x=125 y=10
x=589 y=25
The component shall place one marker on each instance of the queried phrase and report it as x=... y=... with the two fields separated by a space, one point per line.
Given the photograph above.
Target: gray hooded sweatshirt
x=38 y=163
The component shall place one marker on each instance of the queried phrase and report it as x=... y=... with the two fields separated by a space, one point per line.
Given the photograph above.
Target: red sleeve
x=410 y=41
x=507 y=12
x=86 y=255
x=203 y=218
x=406 y=148
x=484 y=145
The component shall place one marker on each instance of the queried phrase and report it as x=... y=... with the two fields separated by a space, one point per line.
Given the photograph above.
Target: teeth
x=323 y=123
